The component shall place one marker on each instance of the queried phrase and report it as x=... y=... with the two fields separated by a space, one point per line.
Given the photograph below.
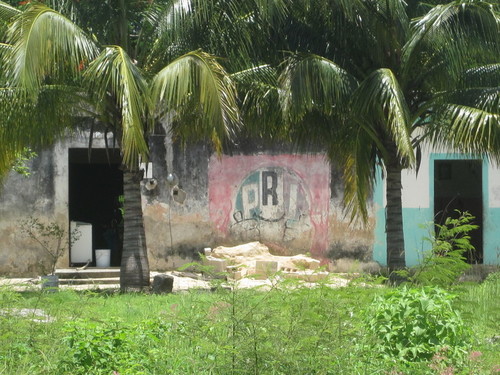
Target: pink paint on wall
x=263 y=177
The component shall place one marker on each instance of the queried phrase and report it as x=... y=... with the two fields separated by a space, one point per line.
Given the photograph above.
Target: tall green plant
x=446 y=260
x=22 y=158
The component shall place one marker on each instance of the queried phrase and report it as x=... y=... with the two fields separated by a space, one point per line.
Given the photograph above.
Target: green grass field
x=287 y=330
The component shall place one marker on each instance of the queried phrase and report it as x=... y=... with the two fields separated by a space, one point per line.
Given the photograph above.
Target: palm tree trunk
x=123 y=26
x=394 y=217
x=134 y=271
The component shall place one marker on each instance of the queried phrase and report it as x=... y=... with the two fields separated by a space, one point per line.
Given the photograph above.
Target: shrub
x=97 y=348
x=413 y=324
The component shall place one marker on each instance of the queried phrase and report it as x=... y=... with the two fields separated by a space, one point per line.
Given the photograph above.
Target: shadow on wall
x=339 y=250
x=351 y=259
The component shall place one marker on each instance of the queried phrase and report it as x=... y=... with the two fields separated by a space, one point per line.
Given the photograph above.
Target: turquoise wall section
x=416 y=223
x=415 y=220
x=491 y=237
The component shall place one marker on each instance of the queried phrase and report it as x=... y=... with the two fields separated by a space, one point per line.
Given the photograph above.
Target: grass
x=287 y=330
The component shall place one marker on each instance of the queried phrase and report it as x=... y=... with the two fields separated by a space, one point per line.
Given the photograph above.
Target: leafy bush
x=113 y=347
x=94 y=346
x=416 y=324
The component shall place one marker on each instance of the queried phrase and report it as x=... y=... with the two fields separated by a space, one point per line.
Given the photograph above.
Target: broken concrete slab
x=265 y=268
x=217 y=265
x=257 y=260
x=248 y=250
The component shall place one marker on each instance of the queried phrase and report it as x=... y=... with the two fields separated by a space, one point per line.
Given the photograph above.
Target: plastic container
x=102 y=257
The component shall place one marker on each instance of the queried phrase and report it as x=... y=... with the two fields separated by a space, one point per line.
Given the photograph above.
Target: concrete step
x=88 y=273
x=90 y=281
x=90 y=286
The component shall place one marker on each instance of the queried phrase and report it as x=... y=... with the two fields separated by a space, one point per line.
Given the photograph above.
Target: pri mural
x=281 y=200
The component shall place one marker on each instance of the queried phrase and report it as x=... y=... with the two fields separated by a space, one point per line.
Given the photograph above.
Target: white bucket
x=102 y=257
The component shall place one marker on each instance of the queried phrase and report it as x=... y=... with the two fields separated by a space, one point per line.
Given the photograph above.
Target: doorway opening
x=458 y=185
x=95 y=197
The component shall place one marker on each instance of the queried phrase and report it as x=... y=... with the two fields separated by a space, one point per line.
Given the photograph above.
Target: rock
x=237 y=272
x=163 y=284
x=250 y=250
x=255 y=259
x=299 y=262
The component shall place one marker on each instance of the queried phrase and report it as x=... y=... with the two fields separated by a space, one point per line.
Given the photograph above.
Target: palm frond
x=226 y=28
x=27 y=123
x=198 y=82
x=358 y=162
x=481 y=76
x=390 y=21
x=172 y=15
x=459 y=26
x=352 y=10
x=7 y=12
x=381 y=108
x=272 y=10
x=469 y=129
x=311 y=82
x=113 y=76
x=259 y=93
x=45 y=43
x=4 y=49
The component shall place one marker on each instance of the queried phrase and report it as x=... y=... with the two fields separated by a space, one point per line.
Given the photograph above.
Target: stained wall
x=289 y=201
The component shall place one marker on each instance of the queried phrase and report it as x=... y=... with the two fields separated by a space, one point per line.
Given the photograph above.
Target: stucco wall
x=38 y=195
x=177 y=232
x=290 y=202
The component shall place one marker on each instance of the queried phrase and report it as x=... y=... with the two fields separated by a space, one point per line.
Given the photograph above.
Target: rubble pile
x=254 y=259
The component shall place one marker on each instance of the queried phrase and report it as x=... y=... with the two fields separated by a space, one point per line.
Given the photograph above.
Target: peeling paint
x=271 y=198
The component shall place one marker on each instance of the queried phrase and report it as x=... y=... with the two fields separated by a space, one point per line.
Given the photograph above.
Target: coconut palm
x=373 y=84
x=55 y=72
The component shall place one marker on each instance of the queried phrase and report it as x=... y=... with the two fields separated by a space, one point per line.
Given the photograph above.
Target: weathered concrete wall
x=290 y=202
x=177 y=232
x=44 y=196
x=21 y=197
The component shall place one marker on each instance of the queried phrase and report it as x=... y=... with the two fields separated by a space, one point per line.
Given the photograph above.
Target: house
x=193 y=199
x=290 y=202
x=444 y=183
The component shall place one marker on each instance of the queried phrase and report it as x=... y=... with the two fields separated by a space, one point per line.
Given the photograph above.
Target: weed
x=414 y=325
x=443 y=264
x=50 y=236
x=288 y=329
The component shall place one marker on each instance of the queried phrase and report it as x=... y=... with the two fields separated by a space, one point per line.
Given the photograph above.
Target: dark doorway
x=95 y=188
x=458 y=185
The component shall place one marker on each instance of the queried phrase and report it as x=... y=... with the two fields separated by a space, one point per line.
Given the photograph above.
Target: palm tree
x=373 y=84
x=54 y=72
